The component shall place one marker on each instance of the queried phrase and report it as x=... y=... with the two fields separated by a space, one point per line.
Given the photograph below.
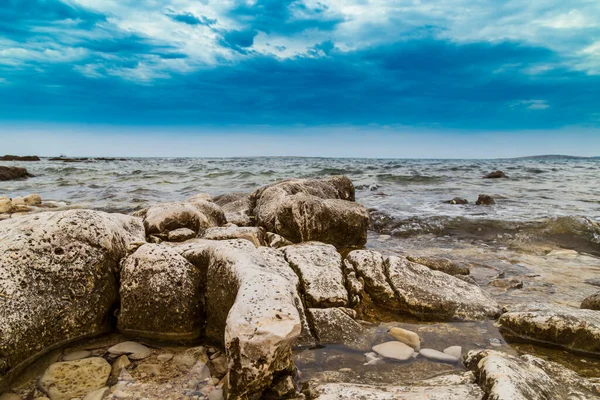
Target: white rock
x=438 y=356
x=97 y=394
x=17 y=201
x=216 y=394
x=77 y=355
x=164 y=357
x=66 y=380
x=455 y=351
x=136 y=351
x=407 y=337
x=5 y=205
x=354 y=391
x=395 y=350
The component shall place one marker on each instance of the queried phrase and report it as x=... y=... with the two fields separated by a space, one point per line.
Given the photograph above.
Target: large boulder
x=369 y=265
x=303 y=210
x=10 y=157
x=236 y=207
x=506 y=377
x=571 y=328
x=57 y=280
x=434 y=295
x=160 y=295
x=334 y=326
x=197 y=214
x=319 y=267
x=250 y=308
x=13 y=173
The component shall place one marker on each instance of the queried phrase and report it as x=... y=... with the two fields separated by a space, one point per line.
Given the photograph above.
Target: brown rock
x=591 y=302
x=13 y=173
x=495 y=175
x=485 y=200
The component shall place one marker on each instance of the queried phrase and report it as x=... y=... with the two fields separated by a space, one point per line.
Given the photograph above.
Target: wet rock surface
x=495 y=175
x=334 y=326
x=13 y=173
x=485 y=200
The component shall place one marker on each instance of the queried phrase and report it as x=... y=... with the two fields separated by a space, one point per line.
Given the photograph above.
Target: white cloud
x=531 y=104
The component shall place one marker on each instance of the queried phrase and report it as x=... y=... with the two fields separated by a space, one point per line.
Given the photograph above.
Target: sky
x=373 y=78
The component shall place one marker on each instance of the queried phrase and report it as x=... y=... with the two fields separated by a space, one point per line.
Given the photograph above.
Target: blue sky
x=455 y=78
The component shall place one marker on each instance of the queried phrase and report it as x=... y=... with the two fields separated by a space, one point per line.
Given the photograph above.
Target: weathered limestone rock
x=6 y=205
x=196 y=214
x=255 y=235
x=236 y=207
x=33 y=199
x=181 y=235
x=441 y=264
x=337 y=391
x=160 y=295
x=276 y=241
x=506 y=377
x=369 y=266
x=591 y=302
x=333 y=326
x=71 y=379
x=250 y=309
x=434 y=295
x=303 y=210
x=319 y=267
x=57 y=280
x=13 y=173
x=571 y=328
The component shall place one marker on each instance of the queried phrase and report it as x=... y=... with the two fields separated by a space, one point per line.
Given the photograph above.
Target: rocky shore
x=264 y=295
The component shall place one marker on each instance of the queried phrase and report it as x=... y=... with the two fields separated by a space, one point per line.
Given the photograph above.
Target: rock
x=13 y=173
x=187 y=360
x=276 y=241
x=485 y=200
x=134 y=349
x=339 y=391
x=395 y=350
x=219 y=365
x=457 y=200
x=236 y=207
x=57 y=280
x=196 y=214
x=243 y=298
x=33 y=199
x=18 y=201
x=435 y=355
x=216 y=394
x=369 y=266
x=495 y=175
x=181 y=235
x=434 y=295
x=454 y=351
x=77 y=355
x=164 y=357
x=507 y=283
x=10 y=157
x=150 y=369
x=333 y=326
x=97 y=394
x=303 y=210
x=10 y=396
x=468 y=279
x=506 y=377
x=441 y=264
x=285 y=387
x=571 y=328
x=407 y=337
x=66 y=380
x=591 y=302
x=253 y=234
x=160 y=295
x=121 y=363
x=6 y=206
x=319 y=267
x=593 y=281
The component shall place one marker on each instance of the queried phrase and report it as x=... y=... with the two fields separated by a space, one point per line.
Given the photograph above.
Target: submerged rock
x=369 y=266
x=395 y=350
x=436 y=355
x=457 y=200
x=441 y=264
x=506 y=377
x=495 y=175
x=254 y=235
x=485 y=200
x=433 y=295
x=407 y=337
x=333 y=326
x=319 y=267
x=571 y=328
x=591 y=302
x=303 y=210
x=13 y=173
x=68 y=380
x=57 y=280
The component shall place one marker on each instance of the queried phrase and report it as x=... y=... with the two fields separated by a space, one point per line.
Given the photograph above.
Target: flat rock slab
x=133 y=348
x=394 y=350
x=347 y=391
x=319 y=267
x=441 y=264
x=434 y=295
x=333 y=326
x=436 y=355
x=506 y=377
x=71 y=379
x=255 y=235
x=571 y=328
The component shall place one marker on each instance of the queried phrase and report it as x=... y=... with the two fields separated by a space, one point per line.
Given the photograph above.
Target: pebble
x=135 y=350
x=69 y=379
x=495 y=342
x=77 y=355
x=97 y=394
x=121 y=363
x=345 y=370
x=395 y=350
x=150 y=369
x=216 y=394
x=454 y=351
x=164 y=357
x=438 y=356
x=220 y=365
x=407 y=337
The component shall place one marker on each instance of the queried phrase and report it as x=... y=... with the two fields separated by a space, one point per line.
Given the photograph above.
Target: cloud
x=191 y=19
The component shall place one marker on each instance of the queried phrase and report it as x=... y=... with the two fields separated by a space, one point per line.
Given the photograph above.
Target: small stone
x=77 y=355
x=121 y=363
x=395 y=350
x=407 y=337
x=219 y=365
x=135 y=350
x=438 y=356
x=164 y=357
x=150 y=369
x=454 y=351
x=97 y=394
x=216 y=394
x=181 y=235
x=345 y=370
x=33 y=199
x=66 y=380
x=187 y=360
x=495 y=342
x=120 y=394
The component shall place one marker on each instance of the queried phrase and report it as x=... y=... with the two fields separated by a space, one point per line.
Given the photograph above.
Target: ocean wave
x=390 y=178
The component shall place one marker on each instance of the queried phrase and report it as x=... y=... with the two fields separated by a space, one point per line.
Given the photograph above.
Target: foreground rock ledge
x=57 y=280
x=339 y=391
